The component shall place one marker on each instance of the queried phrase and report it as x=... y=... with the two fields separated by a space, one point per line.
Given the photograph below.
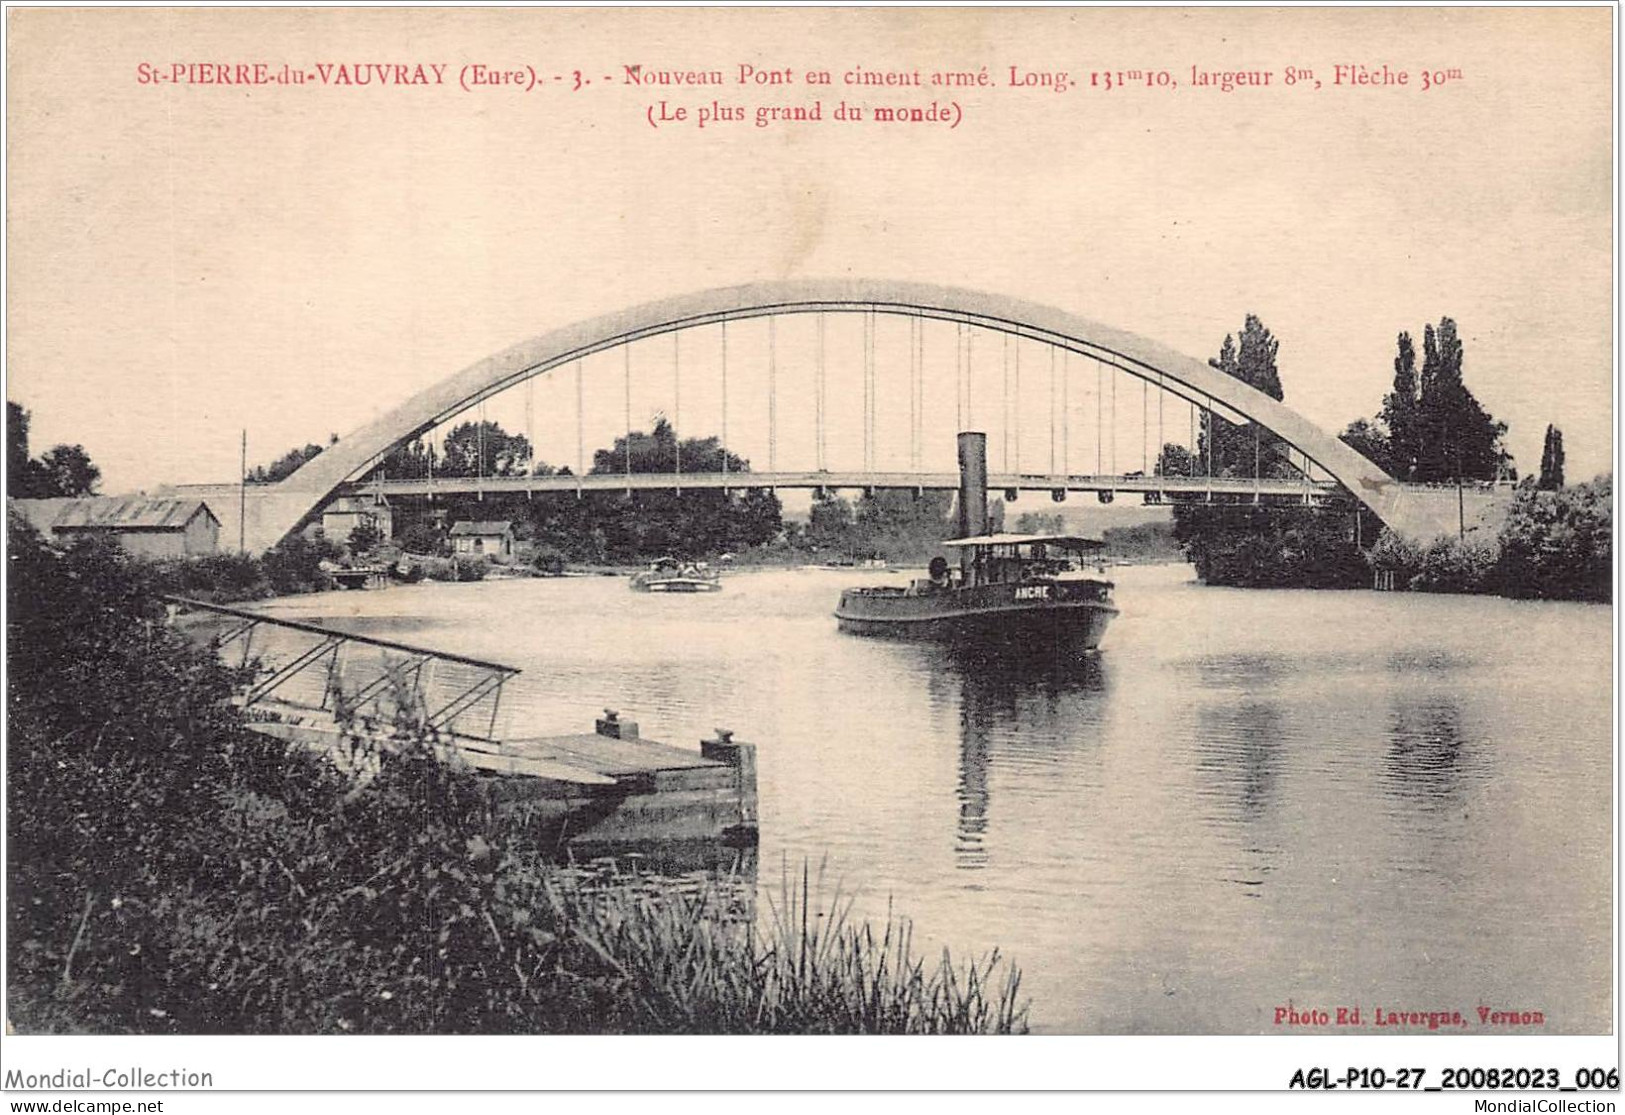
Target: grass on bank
x=170 y=871
x=811 y=970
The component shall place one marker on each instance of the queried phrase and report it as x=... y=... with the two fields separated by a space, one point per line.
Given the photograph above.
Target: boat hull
x=677 y=584
x=1071 y=618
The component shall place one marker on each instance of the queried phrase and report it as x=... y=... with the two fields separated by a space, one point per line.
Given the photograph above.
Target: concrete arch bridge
x=783 y=335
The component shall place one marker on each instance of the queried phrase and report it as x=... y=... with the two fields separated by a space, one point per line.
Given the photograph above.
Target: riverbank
x=294 y=566
x=171 y=871
x=1552 y=545
x=1230 y=759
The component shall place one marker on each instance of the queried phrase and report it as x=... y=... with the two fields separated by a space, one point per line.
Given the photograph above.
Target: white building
x=483 y=538
x=341 y=517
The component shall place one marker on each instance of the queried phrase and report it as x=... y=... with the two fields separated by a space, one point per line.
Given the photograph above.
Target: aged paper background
x=190 y=259
x=203 y=258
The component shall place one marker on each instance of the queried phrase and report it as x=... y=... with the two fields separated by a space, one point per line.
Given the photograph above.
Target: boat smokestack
x=972 y=485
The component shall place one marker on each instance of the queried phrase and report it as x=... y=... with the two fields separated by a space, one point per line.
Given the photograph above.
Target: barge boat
x=1034 y=592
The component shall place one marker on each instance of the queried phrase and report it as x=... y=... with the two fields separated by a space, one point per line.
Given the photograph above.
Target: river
x=1249 y=799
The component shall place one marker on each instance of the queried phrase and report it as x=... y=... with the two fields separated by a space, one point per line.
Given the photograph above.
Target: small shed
x=147 y=527
x=486 y=538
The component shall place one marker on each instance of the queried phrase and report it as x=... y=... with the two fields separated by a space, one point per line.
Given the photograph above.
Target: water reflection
x=1240 y=751
x=1428 y=758
x=1239 y=755
x=1325 y=777
x=975 y=751
x=1239 y=736
x=1025 y=706
x=1246 y=672
x=1242 y=742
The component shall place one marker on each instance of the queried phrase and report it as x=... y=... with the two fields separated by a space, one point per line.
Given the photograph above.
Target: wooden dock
x=625 y=788
x=362 y=577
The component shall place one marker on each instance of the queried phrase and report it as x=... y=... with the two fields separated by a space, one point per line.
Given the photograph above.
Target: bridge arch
x=290 y=502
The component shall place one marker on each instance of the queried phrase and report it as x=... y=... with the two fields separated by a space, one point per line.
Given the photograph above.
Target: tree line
x=287 y=464
x=597 y=526
x=1429 y=429
x=61 y=471
x=594 y=526
x=619 y=527
x=884 y=524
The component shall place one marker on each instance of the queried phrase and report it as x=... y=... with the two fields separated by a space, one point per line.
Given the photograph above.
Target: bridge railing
x=830 y=480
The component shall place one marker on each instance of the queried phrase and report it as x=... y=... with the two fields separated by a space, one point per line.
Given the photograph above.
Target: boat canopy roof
x=1063 y=541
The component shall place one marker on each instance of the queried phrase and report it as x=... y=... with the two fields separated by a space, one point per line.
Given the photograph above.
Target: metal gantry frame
x=415 y=671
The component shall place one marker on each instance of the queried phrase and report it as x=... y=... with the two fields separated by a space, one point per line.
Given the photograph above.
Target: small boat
x=361 y=576
x=667 y=574
x=1039 y=592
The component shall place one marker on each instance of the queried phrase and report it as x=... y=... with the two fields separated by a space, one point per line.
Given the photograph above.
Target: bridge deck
x=932 y=481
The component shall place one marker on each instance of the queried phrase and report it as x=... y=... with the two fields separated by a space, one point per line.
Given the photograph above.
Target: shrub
x=438 y=569
x=216 y=577
x=366 y=537
x=171 y=871
x=422 y=538
x=294 y=564
x=1448 y=564
x=125 y=763
x=1393 y=553
x=1454 y=564
x=460 y=568
x=1269 y=547
x=1560 y=544
x=548 y=561
x=1557 y=545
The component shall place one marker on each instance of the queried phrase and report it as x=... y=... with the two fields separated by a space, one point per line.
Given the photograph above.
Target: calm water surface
x=1248 y=798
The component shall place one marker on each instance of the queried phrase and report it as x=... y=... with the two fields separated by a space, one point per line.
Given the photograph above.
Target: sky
x=187 y=262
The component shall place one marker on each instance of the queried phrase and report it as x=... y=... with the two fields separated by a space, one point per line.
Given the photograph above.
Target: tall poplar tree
x=1455 y=437
x=1399 y=412
x=1551 y=461
x=1235 y=447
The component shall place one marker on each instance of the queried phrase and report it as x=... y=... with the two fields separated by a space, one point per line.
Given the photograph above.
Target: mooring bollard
x=742 y=758
x=610 y=724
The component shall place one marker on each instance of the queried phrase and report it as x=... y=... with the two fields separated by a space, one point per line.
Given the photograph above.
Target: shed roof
x=112 y=513
x=463 y=528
